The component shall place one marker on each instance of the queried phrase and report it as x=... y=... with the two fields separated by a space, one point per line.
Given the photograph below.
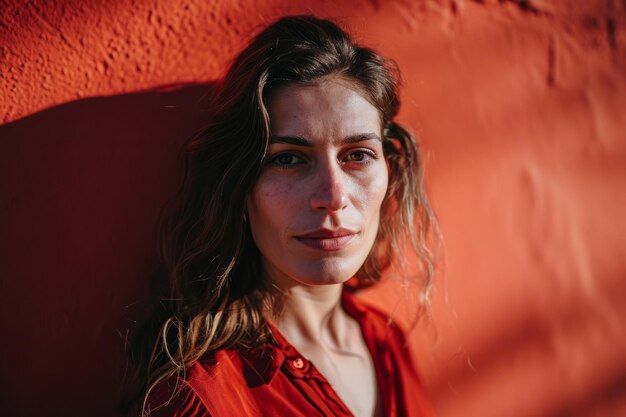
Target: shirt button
x=298 y=363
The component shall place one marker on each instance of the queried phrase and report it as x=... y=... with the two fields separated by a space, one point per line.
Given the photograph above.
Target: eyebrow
x=301 y=141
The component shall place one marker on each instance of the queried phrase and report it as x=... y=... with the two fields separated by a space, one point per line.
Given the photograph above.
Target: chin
x=298 y=269
x=327 y=273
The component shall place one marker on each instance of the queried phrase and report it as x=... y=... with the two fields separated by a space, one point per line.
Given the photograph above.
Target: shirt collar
x=265 y=360
x=262 y=363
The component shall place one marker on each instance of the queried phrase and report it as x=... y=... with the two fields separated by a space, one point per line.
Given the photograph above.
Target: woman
x=302 y=190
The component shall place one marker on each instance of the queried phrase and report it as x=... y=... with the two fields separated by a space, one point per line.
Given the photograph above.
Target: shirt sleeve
x=175 y=399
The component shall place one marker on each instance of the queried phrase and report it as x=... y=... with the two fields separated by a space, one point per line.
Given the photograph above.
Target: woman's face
x=314 y=211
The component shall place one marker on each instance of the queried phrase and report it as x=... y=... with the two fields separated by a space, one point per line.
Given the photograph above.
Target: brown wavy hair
x=217 y=297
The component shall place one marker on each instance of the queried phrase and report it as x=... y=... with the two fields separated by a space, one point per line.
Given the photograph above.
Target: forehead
x=329 y=107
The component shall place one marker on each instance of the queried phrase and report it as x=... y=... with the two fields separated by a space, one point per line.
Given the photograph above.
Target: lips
x=327 y=239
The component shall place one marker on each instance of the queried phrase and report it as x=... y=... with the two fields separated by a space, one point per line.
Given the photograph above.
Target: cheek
x=269 y=206
x=381 y=189
x=374 y=193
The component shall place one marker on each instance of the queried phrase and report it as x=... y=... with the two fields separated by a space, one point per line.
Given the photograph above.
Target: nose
x=330 y=188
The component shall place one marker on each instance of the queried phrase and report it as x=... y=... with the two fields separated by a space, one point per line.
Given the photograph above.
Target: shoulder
x=185 y=394
x=208 y=387
x=374 y=322
x=174 y=398
x=386 y=338
x=394 y=356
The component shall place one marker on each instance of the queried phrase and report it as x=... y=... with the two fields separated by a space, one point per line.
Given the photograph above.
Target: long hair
x=217 y=296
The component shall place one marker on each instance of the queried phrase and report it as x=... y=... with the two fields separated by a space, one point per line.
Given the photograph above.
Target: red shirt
x=275 y=380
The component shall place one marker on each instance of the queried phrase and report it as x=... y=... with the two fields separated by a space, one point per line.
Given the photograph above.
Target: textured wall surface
x=520 y=107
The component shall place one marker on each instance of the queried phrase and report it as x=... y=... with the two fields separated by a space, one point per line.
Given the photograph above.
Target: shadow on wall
x=82 y=188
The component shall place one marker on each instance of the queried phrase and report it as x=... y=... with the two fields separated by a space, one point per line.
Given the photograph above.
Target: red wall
x=521 y=110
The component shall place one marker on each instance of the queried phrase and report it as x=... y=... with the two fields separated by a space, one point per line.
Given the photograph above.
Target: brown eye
x=360 y=156
x=357 y=156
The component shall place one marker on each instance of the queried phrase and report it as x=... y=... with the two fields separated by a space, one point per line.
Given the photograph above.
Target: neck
x=308 y=314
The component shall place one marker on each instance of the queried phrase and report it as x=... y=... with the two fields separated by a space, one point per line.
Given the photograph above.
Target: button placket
x=299 y=367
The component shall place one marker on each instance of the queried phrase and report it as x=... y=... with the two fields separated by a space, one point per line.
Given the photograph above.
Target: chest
x=377 y=379
x=352 y=376
x=341 y=387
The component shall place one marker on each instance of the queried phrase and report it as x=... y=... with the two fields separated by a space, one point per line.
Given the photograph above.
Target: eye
x=285 y=160
x=360 y=156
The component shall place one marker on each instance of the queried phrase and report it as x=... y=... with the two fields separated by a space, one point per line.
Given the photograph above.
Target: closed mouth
x=327 y=240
